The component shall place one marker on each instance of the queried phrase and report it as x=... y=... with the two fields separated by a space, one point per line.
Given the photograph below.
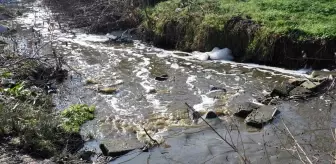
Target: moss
x=75 y=116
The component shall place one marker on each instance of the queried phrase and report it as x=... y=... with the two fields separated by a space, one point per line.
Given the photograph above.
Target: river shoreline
x=139 y=101
x=250 y=38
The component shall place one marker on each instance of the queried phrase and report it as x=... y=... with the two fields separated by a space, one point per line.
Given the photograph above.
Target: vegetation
x=29 y=122
x=306 y=18
x=76 y=115
x=271 y=32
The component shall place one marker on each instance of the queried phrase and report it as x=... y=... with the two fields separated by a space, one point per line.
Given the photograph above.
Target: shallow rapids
x=142 y=101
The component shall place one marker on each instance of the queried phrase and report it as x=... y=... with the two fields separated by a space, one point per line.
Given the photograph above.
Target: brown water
x=132 y=69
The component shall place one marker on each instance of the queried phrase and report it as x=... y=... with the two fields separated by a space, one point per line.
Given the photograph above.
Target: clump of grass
x=76 y=115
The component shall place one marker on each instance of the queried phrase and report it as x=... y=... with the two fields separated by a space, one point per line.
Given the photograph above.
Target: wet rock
x=213 y=88
x=282 y=90
x=119 y=147
x=162 y=77
x=107 y=90
x=211 y=115
x=244 y=109
x=86 y=155
x=258 y=118
x=310 y=85
x=300 y=93
x=321 y=74
x=151 y=91
x=296 y=82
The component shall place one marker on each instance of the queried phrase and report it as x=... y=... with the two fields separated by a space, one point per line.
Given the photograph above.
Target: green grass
x=301 y=19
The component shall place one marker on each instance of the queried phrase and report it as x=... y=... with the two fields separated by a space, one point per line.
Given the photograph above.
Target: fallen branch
x=227 y=142
x=151 y=137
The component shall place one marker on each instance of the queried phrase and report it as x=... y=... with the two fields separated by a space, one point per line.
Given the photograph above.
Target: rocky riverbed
x=260 y=113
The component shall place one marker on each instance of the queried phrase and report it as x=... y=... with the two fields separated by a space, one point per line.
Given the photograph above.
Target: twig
x=213 y=129
x=151 y=137
x=297 y=144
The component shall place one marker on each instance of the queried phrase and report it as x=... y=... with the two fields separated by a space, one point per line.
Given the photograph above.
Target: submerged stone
x=118 y=147
x=211 y=115
x=258 y=118
x=244 y=109
x=213 y=88
x=310 y=85
x=162 y=77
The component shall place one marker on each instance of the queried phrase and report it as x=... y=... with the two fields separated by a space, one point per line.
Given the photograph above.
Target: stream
x=141 y=101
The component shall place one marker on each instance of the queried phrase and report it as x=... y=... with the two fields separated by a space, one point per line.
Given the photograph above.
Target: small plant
x=75 y=116
x=17 y=91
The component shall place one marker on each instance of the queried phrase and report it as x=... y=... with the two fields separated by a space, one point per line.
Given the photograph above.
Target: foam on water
x=189 y=81
x=205 y=104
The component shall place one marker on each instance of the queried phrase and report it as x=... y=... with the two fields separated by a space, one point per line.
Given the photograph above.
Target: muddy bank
x=247 y=40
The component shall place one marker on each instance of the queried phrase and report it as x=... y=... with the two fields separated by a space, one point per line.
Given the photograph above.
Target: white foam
x=189 y=81
x=205 y=104
x=175 y=66
x=92 y=38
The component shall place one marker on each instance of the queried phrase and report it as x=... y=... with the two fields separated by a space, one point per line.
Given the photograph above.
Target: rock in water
x=118 y=147
x=211 y=115
x=213 y=88
x=244 y=109
x=162 y=77
x=258 y=118
x=151 y=90
x=310 y=85
x=221 y=54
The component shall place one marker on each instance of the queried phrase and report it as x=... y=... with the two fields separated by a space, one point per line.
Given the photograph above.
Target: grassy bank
x=256 y=30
